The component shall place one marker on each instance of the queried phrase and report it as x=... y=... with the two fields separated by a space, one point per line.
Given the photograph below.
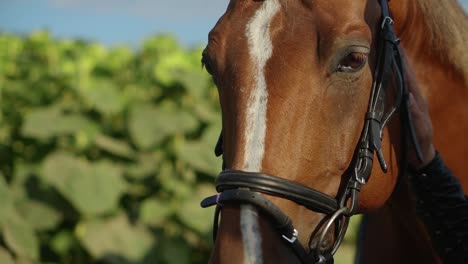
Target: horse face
x=294 y=80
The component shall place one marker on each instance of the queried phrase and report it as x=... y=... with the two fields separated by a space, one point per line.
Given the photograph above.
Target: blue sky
x=115 y=21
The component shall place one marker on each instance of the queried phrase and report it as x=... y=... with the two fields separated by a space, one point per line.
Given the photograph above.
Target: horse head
x=307 y=89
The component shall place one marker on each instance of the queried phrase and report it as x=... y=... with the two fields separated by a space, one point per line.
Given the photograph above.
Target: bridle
x=239 y=187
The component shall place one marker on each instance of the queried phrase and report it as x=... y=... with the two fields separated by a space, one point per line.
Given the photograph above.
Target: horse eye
x=353 y=62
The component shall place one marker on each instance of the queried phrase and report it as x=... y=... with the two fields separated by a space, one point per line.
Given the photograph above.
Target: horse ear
x=219 y=146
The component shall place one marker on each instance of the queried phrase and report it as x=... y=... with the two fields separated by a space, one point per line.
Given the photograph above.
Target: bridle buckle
x=387 y=21
x=359 y=179
x=293 y=238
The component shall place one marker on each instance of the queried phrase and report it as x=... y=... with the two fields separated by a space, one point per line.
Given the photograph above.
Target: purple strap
x=217 y=199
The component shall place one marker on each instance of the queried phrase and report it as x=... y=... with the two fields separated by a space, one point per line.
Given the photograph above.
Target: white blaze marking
x=251 y=237
x=260 y=51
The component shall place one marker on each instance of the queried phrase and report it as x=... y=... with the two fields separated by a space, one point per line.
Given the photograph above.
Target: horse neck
x=447 y=97
x=435 y=36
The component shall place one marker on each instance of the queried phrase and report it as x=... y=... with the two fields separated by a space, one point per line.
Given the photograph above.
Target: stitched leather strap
x=280 y=221
x=272 y=185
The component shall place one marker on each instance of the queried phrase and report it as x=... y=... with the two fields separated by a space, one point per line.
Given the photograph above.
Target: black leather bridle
x=239 y=187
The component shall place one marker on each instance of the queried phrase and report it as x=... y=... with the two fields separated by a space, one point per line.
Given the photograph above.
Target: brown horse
x=294 y=79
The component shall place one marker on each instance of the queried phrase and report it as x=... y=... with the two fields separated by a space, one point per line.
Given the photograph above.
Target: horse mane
x=447 y=32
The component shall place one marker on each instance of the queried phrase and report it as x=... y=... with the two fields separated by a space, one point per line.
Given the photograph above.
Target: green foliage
x=104 y=153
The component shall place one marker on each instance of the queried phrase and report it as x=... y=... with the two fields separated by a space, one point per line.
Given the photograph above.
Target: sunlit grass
x=347 y=252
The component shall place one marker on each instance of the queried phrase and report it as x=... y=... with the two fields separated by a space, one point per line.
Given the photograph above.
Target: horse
x=307 y=91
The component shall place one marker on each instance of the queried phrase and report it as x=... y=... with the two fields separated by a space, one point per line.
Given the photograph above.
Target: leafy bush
x=105 y=153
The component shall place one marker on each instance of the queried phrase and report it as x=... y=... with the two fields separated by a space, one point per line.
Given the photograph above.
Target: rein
x=239 y=187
